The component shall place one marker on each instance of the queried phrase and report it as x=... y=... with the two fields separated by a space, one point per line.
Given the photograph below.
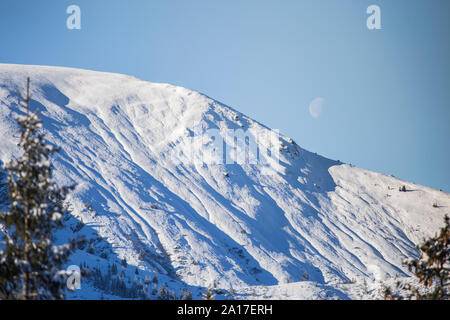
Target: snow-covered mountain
x=302 y=230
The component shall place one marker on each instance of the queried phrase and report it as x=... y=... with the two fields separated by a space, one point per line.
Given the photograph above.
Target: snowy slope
x=199 y=222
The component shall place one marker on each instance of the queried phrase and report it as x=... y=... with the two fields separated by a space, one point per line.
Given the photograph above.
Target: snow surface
x=196 y=223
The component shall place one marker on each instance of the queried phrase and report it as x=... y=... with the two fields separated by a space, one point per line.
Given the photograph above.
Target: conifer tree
x=3 y=186
x=188 y=296
x=433 y=266
x=163 y=293
x=114 y=269
x=208 y=295
x=29 y=263
x=432 y=269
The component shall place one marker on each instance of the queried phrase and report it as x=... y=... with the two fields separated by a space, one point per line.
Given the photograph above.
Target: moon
x=315 y=107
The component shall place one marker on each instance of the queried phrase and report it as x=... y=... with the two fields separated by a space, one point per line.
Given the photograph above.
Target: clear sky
x=384 y=94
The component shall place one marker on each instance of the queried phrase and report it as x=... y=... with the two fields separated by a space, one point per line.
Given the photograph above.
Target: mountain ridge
x=203 y=223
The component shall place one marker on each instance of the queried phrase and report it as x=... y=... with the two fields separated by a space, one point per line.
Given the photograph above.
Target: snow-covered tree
x=29 y=262
x=163 y=293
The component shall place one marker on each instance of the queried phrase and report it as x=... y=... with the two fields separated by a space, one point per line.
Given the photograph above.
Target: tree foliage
x=432 y=269
x=29 y=261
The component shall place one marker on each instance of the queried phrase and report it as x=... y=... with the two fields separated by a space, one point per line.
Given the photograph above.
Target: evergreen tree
x=163 y=293
x=433 y=266
x=3 y=187
x=305 y=276
x=114 y=269
x=208 y=295
x=155 y=278
x=29 y=262
x=186 y=294
x=432 y=269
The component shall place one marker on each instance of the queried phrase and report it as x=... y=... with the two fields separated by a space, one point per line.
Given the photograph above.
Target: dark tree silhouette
x=29 y=261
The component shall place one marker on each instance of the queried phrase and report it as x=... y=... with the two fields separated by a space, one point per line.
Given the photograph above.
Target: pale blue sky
x=386 y=92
